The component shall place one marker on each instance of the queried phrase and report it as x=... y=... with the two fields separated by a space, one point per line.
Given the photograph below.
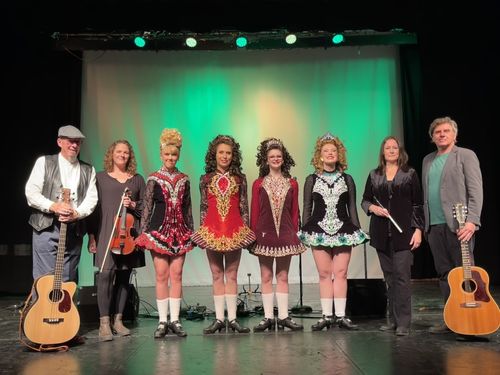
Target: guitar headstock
x=460 y=213
x=65 y=195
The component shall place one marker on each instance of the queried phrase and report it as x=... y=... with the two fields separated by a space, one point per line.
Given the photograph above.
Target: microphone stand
x=301 y=309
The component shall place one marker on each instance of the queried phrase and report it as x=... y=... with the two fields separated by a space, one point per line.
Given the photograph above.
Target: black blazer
x=404 y=202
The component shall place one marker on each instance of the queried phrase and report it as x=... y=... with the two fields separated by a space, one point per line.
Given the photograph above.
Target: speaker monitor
x=366 y=298
x=86 y=302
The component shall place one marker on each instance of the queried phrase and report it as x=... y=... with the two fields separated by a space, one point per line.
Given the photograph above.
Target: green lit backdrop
x=296 y=95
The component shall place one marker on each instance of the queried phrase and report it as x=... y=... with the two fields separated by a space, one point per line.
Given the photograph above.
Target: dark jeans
x=447 y=254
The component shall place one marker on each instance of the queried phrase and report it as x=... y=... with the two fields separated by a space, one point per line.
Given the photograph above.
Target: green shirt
x=435 y=208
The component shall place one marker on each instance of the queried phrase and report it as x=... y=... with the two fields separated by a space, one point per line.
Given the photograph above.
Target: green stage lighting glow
x=337 y=38
x=241 y=41
x=139 y=41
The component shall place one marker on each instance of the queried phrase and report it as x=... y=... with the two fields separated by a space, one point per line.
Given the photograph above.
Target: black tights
x=112 y=288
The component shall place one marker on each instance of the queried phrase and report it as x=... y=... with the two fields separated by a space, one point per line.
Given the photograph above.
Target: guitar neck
x=466 y=258
x=61 y=249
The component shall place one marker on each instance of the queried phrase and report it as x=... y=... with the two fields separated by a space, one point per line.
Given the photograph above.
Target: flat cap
x=69 y=131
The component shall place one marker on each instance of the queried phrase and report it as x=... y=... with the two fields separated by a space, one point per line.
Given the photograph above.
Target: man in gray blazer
x=450 y=175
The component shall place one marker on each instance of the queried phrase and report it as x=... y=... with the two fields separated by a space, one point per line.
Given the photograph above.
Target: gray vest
x=52 y=186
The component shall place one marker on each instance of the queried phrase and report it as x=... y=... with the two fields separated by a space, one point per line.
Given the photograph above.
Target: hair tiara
x=327 y=137
x=273 y=142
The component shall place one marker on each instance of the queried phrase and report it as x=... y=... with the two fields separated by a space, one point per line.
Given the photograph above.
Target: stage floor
x=336 y=351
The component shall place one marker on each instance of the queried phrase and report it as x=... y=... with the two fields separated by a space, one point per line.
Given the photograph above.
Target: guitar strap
x=33 y=346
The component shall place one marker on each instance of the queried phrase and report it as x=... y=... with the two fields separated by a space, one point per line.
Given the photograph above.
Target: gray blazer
x=461 y=182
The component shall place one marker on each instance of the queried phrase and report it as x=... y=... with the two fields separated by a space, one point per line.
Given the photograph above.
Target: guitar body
x=471 y=311
x=53 y=318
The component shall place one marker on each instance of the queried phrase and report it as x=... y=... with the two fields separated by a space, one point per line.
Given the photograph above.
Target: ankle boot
x=118 y=326
x=105 y=333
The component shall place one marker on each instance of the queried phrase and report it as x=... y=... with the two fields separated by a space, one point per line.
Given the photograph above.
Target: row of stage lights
x=223 y=40
x=240 y=42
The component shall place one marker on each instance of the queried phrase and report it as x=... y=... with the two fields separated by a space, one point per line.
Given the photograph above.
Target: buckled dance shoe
x=324 y=322
x=217 y=325
x=290 y=324
x=266 y=323
x=235 y=326
x=176 y=327
x=161 y=330
x=345 y=322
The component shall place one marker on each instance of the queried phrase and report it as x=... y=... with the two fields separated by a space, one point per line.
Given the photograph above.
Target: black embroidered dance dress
x=330 y=218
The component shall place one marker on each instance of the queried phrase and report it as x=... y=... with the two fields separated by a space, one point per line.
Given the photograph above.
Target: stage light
x=139 y=41
x=241 y=41
x=291 y=38
x=337 y=38
x=191 y=42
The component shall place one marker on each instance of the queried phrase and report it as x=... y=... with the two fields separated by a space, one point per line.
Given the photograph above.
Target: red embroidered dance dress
x=275 y=217
x=224 y=213
x=167 y=219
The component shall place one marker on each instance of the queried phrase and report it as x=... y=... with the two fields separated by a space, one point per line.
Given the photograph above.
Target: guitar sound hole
x=469 y=286
x=56 y=295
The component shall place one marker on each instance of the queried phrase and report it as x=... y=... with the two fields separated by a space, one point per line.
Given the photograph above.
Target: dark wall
x=458 y=64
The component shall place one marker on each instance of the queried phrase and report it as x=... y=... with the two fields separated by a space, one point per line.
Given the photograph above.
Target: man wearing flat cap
x=50 y=175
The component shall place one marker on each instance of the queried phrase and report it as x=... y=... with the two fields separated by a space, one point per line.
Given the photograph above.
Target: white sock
x=340 y=306
x=162 y=305
x=327 y=306
x=282 y=300
x=231 y=306
x=175 y=308
x=219 y=307
x=268 y=305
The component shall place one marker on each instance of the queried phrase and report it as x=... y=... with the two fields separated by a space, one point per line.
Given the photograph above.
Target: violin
x=122 y=242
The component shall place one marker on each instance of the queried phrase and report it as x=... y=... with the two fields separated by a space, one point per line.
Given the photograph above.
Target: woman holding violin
x=112 y=228
x=166 y=228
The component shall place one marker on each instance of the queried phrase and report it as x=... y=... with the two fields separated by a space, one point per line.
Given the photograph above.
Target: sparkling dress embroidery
x=276 y=188
x=167 y=220
x=331 y=191
x=224 y=206
x=333 y=221
x=223 y=186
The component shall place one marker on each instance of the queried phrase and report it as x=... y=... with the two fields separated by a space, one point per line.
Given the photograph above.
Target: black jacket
x=404 y=202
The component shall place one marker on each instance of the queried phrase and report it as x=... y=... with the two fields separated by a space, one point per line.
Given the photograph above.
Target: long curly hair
x=402 y=158
x=210 y=158
x=131 y=167
x=316 y=161
x=273 y=144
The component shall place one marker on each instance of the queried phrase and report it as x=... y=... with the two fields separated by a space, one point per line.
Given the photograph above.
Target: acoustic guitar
x=470 y=309
x=53 y=317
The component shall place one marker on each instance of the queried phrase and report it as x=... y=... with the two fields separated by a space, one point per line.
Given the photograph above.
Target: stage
x=336 y=351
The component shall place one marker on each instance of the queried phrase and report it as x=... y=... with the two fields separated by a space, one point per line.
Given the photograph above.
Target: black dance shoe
x=266 y=323
x=176 y=327
x=162 y=330
x=235 y=326
x=325 y=321
x=345 y=322
x=217 y=325
x=289 y=323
